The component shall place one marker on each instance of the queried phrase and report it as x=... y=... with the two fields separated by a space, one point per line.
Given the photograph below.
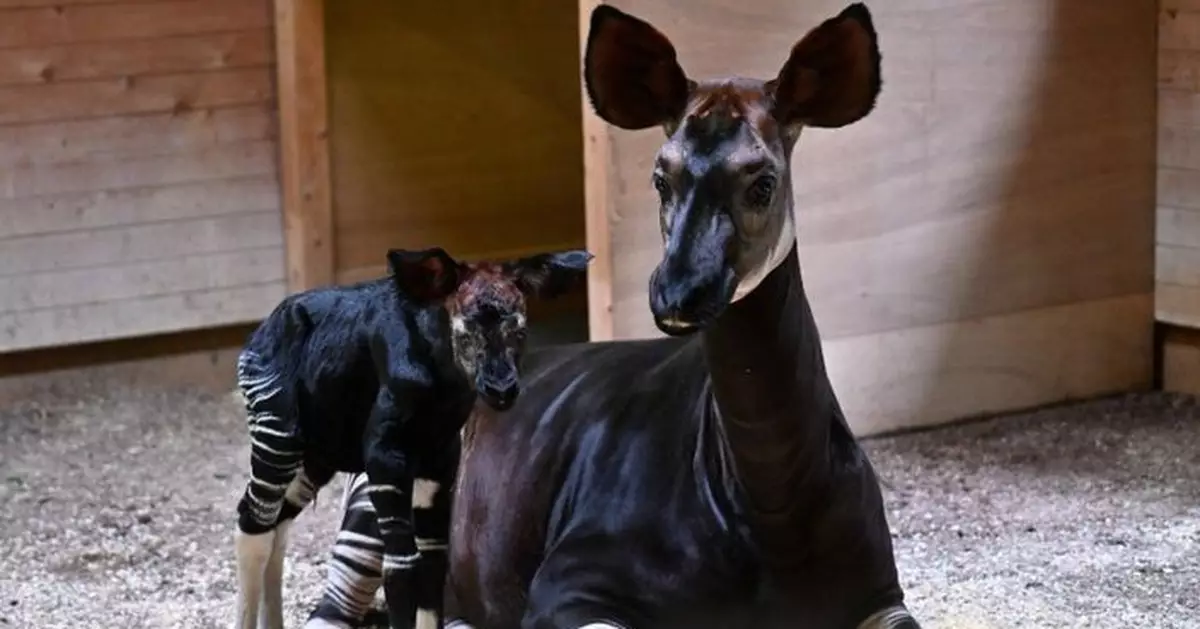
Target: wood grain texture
x=1177 y=270
x=138 y=169
x=454 y=124
x=304 y=144
x=987 y=184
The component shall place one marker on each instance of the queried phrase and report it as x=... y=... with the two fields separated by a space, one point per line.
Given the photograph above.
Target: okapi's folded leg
x=894 y=617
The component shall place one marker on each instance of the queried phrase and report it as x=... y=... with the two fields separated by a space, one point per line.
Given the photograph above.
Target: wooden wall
x=982 y=242
x=453 y=123
x=1177 y=291
x=138 y=189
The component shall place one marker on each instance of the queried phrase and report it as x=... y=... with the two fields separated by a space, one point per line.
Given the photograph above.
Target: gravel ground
x=117 y=513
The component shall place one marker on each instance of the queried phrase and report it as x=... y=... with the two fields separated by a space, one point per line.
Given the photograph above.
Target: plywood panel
x=986 y=186
x=1177 y=291
x=138 y=169
x=454 y=124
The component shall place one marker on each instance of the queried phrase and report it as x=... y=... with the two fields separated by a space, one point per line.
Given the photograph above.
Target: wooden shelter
x=984 y=241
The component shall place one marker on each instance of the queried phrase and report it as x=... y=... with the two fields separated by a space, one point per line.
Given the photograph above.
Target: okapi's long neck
x=775 y=401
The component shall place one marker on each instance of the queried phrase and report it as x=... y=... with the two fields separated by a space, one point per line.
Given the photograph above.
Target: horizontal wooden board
x=1179 y=29
x=1179 y=148
x=137 y=57
x=99 y=209
x=929 y=375
x=140 y=280
x=176 y=93
x=123 y=137
x=242 y=159
x=108 y=320
x=1179 y=265
x=143 y=242
x=1176 y=304
x=485 y=160
x=85 y=23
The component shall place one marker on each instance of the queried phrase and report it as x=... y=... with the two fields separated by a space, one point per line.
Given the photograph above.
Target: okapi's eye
x=761 y=191
x=660 y=185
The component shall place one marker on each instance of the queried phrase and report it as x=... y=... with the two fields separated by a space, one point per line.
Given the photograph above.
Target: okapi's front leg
x=432 y=499
x=389 y=469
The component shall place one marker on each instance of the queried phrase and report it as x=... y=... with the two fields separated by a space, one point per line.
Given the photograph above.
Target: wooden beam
x=304 y=143
x=596 y=200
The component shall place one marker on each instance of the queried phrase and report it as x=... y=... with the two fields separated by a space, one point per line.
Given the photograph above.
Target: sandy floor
x=116 y=513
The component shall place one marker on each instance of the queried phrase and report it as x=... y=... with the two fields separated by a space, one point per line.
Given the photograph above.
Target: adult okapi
x=707 y=479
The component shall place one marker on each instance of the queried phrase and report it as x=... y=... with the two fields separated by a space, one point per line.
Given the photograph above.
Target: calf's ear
x=548 y=275
x=831 y=78
x=632 y=77
x=425 y=275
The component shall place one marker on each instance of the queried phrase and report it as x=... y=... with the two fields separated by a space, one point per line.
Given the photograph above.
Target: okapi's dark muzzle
x=499 y=388
x=694 y=282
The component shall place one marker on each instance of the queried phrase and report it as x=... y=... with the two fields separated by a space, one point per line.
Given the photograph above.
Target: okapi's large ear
x=630 y=72
x=426 y=275
x=548 y=275
x=831 y=78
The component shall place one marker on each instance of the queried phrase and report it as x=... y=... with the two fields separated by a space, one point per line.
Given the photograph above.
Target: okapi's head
x=723 y=175
x=486 y=304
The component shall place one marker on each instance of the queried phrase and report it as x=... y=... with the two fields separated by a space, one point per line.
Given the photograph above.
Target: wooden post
x=304 y=144
x=596 y=202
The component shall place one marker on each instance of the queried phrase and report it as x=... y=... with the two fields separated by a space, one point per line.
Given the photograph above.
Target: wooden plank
x=1178 y=187
x=1179 y=148
x=304 y=145
x=1179 y=30
x=123 y=319
x=138 y=57
x=1178 y=265
x=929 y=375
x=99 y=209
x=137 y=280
x=139 y=243
x=487 y=172
x=82 y=23
x=1176 y=304
x=166 y=93
x=127 y=136
x=1179 y=70
x=112 y=173
x=596 y=156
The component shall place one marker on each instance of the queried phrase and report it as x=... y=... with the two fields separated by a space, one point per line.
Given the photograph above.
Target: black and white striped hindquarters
x=895 y=617
x=276 y=451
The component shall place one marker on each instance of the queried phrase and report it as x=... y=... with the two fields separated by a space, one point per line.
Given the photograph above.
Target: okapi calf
x=707 y=479
x=379 y=377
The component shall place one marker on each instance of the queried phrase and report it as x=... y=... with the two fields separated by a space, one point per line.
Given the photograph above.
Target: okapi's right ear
x=630 y=72
x=831 y=77
x=427 y=275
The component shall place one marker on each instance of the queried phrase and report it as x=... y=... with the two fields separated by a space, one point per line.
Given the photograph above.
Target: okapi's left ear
x=832 y=76
x=427 y=275
x=548 y=275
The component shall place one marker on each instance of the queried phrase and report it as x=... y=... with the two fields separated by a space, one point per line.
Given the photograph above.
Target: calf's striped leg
x=276 y=454
x=355 y=565
x=431 y=502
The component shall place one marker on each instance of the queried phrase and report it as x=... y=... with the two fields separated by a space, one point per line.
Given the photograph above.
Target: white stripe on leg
x=270 y=615
x=426 y=619
x=253 y=552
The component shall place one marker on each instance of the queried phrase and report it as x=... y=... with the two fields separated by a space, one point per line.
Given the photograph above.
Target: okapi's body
x=706 y=480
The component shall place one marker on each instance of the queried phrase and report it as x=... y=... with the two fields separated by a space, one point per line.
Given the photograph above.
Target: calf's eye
x=761 y=191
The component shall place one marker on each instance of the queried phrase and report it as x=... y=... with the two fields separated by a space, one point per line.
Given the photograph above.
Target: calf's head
x=723 y=175
x=485 y=301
